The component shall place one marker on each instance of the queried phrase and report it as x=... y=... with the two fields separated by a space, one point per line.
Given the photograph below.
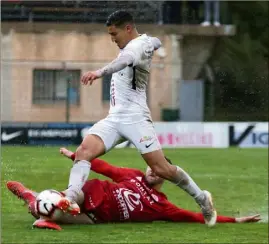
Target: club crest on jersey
x=127 y=201
x=146 y=138
x=132 y=199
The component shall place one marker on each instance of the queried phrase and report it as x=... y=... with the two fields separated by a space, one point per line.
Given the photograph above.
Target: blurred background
x=213 y=67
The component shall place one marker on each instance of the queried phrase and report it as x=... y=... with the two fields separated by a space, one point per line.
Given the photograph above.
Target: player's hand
x=66 y=152
x=247 y=219
x=89 y=77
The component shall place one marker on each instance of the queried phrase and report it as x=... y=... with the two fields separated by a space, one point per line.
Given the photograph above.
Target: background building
x=47 y=45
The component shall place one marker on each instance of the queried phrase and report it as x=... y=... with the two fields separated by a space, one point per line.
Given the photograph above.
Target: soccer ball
x=46 y=204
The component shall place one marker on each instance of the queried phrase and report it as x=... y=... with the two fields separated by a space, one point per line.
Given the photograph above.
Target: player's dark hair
x=119 y=18
x=168 y=160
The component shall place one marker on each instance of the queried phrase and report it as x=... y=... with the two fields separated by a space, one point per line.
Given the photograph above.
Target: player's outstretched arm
x=176 y=214
x=116 y=65
x=104 y=168
x=248 y=219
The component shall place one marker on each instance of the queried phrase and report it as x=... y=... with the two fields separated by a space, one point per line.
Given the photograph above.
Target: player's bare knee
x=83 y=152
x=91 y=147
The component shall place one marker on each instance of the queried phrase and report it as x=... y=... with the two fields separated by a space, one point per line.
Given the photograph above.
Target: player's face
x=152 y=178
x=120 y=35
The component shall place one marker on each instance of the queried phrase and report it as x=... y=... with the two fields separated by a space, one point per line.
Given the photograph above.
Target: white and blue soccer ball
x=46 y=204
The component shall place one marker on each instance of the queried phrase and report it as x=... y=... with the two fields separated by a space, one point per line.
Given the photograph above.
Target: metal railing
x=79 y=11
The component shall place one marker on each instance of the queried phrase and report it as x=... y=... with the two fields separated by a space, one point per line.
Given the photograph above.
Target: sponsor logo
x=248 y=135
x=132 y=199
x=10 y=136
x=45 y=206
x=124 y=213
x=148 y=145
x=146 y=138
x=127 y=200
x=52 y=133
x=186 y=139
x=144 y=190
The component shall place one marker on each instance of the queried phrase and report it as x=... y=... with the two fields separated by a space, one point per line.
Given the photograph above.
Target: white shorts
x=141 y=134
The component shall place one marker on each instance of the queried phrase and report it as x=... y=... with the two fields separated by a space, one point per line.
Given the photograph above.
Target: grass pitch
x=237 y=178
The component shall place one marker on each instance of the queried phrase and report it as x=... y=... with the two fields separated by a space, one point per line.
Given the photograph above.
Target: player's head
x=121 y=27
x=152 y=179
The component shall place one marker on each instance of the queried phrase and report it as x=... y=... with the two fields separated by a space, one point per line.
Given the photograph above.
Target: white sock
x=185 y=182
x=78 y=176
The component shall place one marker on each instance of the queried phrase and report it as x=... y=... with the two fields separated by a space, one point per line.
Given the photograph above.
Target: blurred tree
x=241 y=65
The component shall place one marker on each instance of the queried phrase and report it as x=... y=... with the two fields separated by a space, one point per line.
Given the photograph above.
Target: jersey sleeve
x=115 y=173
x=175 y=214
x=135 y=50
x=155 y=42
x=116 y=65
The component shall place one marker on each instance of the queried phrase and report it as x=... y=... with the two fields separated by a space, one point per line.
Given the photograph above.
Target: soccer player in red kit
x=133 y=196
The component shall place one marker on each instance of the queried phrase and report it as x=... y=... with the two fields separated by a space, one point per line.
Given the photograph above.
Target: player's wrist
x=99 y=73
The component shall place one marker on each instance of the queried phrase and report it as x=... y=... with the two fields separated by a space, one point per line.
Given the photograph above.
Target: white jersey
x=128 y=90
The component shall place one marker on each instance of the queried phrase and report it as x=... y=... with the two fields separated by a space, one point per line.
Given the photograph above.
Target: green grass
x=238 y=179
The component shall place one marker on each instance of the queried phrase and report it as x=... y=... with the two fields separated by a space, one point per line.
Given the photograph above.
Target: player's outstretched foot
x=66 y=152
x=19 y=190
x=46 y=224
x=208 y=210
x=68 y=206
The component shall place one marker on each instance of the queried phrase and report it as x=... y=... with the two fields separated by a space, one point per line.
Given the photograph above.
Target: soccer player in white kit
x=129 y=117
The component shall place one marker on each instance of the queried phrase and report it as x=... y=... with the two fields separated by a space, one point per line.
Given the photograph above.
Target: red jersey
x=130 y=198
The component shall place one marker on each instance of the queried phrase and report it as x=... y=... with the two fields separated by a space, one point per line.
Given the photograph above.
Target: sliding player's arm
x=175 y=214
x=113 y=172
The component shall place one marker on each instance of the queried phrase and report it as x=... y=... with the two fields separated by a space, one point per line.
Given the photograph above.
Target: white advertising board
x=190 y=135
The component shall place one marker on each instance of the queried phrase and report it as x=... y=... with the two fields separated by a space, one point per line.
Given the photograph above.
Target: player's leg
x=181 y=178
x=92 y=146
x=100 y=139
x=22 y=192
x=144 y=137
x=25 y=194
